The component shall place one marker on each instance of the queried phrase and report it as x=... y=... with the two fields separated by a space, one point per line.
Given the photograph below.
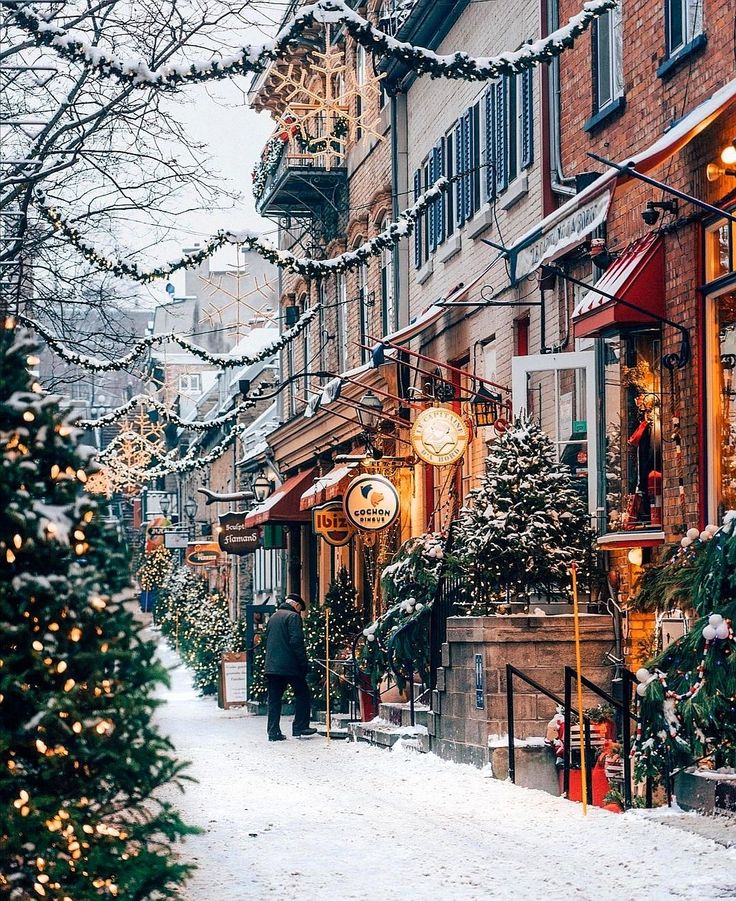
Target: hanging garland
x=403 y=227
x=226 y=361
x=253 y=58
x=195 y=425
x=188 y=462
x=268 y=164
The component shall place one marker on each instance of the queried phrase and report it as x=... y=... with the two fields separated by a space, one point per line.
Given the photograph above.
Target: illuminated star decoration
x=245 y=314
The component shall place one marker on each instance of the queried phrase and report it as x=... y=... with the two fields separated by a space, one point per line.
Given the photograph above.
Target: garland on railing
x=195 y=425
x=267 y=164
x=403 y=227
x=77 y=47
x=226 y=361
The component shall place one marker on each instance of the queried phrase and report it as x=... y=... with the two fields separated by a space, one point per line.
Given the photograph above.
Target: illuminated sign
x=439 y=436
x=330 y=523
x=371 y=503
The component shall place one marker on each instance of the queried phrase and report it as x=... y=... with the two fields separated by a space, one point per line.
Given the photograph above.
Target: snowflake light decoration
x=246 y=314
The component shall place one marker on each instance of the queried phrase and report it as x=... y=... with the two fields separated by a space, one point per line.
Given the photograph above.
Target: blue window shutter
x=459 y=169
x=490 y=145
x=469 y=162
x=439 y=203
x=418 y=228
x=432 y=209
x=501 y=129
x=527 y=120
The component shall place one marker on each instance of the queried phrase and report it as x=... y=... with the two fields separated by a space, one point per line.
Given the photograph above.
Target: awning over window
x=327 y=487
x=283 y=505
x=637 y=277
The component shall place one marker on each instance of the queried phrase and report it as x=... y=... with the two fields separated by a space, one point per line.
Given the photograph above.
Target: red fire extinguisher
x=654 y=487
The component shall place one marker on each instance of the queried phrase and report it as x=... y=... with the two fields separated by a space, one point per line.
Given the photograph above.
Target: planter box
x=706 y=793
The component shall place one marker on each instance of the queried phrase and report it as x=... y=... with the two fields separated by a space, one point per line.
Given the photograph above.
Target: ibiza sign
x=439 y=436
x=371 y=503
x=331 y=524
x=235 y=537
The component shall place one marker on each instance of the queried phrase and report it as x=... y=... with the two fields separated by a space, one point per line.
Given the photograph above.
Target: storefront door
x=559 y=391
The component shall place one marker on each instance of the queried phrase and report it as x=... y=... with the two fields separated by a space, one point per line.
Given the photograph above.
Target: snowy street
x=306 y=819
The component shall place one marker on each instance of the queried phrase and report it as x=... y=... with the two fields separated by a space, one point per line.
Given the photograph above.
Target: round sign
x=371 y=503
x=439 y=436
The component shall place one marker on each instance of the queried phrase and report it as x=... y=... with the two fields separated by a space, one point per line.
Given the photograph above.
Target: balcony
x=300 y=184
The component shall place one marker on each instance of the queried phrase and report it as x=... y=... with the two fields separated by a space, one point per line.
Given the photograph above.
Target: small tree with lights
x=80 y=761
x=344 y=625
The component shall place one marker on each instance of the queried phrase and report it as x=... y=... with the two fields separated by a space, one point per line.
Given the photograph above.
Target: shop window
x=633 y=439
x=723 y=404
x=719 y=260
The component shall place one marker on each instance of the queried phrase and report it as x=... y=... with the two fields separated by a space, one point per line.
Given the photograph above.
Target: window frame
x=603 y=108
x=189 y=382
x=341 y=299
x=388 y=301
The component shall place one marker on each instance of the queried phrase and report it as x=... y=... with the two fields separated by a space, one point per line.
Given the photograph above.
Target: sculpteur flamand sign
x=235 y=537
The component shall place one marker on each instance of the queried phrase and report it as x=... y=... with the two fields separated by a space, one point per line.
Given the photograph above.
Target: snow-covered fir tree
x=525 y=524
x=80 y=761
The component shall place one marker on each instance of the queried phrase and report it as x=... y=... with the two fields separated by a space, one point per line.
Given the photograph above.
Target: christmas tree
x=688 y=692
x=524 y=525
x=80 y=761
x=344 y=626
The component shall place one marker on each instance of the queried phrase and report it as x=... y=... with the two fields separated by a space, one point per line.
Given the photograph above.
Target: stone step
x=336 y=734
x=384 y=734
x=400 y=714
x=338 y=719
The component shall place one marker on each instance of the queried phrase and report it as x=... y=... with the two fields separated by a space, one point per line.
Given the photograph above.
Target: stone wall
x=540 y=646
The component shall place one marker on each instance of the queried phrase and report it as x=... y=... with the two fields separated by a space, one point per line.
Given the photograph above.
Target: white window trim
x=522 y=366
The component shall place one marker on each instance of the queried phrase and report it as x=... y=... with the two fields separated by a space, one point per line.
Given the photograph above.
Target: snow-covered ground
x=310 y=820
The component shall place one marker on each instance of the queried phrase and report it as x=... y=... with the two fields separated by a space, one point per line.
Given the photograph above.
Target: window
x=608 y=73
x=342 y=322
x=521 y=336
x=307 y=345
x=190 y=383
x=419 y=228
x=388 y=309
x=466 y=140
x=683 y=23
x=363 y=309
x=509 y=131
x=360 y=80
x=633 y=441
x=449 y=195
x=292 y=385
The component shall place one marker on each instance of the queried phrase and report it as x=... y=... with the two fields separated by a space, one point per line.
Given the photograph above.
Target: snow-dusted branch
x=77 y=47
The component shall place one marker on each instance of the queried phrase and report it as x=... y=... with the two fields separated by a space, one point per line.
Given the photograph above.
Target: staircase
x=392 y=725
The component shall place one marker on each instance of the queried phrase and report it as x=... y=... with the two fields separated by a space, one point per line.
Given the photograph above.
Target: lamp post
x=164 y=505
x=190 y=508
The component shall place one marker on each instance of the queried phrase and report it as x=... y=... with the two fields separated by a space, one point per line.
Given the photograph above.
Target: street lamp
x=262 y=487
x=164 y=504
x=191 y=508
x=370 y=409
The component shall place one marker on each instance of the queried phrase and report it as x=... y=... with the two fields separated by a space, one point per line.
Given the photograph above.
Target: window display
x=724 y=406
x=633 y=440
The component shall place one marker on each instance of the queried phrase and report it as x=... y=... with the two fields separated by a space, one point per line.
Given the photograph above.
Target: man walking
x=287 y=664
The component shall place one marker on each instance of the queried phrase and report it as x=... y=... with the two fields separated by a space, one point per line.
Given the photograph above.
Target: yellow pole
x=328 y=717
x=579 y=671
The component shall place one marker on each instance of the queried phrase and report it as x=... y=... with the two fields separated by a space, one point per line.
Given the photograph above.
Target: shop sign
x=479 y=695
x=330 y=523
x=176 y=539
x=439 y=436
x=233 y=680
x=559 y=237
x=371 y=503
x=235 y=537
x=201 y=553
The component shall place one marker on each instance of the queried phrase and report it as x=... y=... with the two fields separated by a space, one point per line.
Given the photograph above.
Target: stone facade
x=540 y=646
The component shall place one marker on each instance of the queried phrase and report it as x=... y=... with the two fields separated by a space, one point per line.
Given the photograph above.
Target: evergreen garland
x=688 y=692
x=344 y=626
x=524 y=525
x=394 y=232
x=77 y=47
x=80 y=761
x=398 y=641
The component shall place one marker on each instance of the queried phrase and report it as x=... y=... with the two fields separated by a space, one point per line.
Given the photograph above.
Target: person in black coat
x=287 y=664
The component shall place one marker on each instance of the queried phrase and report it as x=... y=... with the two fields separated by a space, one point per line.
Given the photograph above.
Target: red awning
x=637 y=276
x=327 y=487
x=283 y=505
